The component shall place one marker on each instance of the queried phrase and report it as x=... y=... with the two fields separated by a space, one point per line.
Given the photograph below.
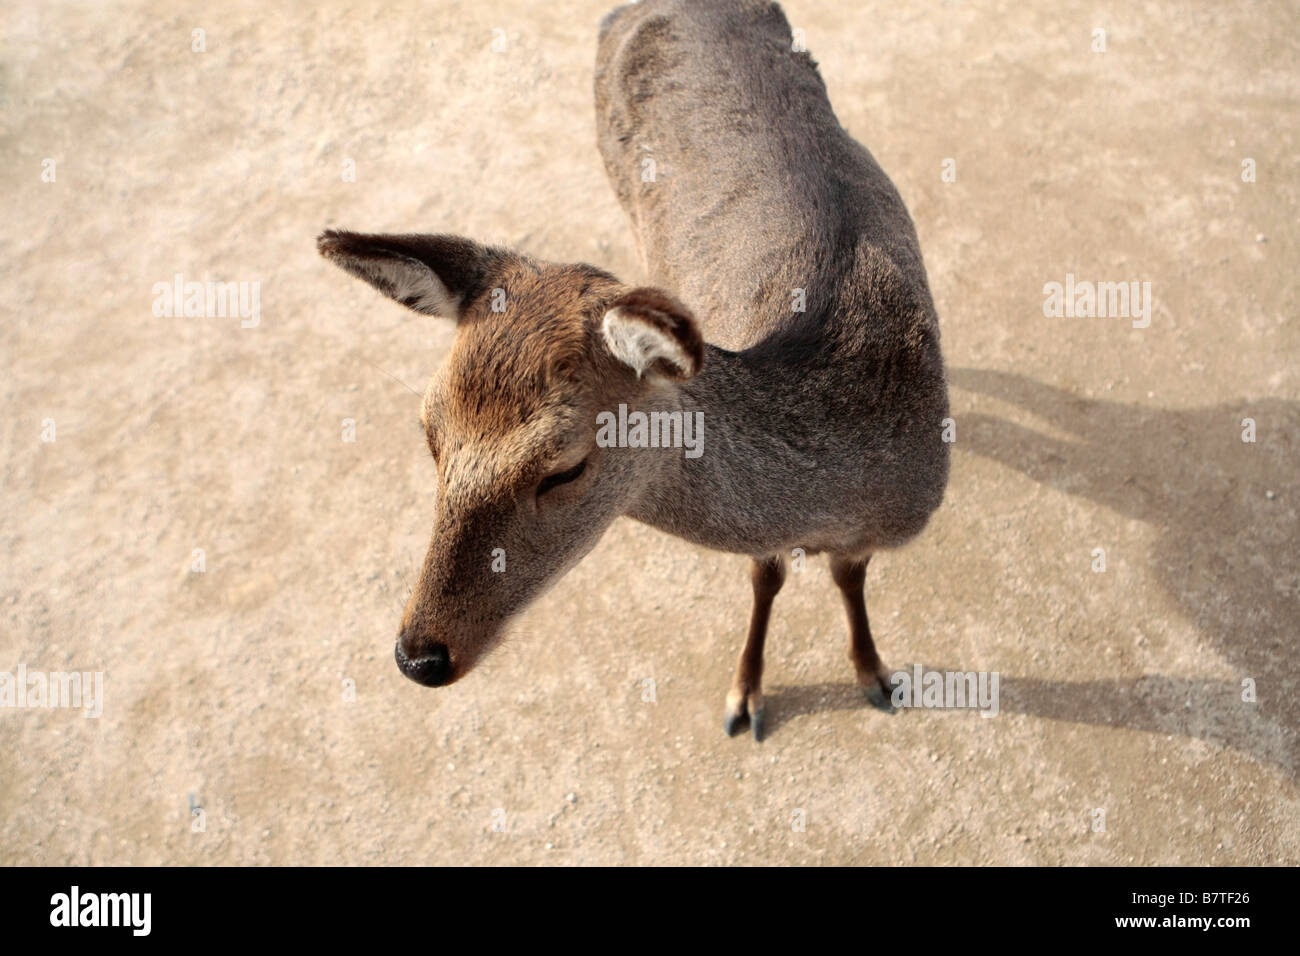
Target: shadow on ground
x=1209 y=710
x=1227 y=553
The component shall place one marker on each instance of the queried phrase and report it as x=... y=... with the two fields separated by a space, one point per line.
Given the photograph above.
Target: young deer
x=821 y=385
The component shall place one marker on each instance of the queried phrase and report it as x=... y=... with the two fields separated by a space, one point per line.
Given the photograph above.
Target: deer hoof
x=737 y=710
x=879 y=699
x=744 y=706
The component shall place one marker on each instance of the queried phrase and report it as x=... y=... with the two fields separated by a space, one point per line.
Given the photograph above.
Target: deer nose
x=431 y=669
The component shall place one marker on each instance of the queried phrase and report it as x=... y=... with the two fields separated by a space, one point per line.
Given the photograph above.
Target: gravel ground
x=225 y=690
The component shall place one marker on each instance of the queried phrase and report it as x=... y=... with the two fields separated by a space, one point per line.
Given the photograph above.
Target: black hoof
x=880 y=700
x=756 y=724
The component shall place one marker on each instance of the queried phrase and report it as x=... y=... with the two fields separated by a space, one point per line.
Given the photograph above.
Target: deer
x=788 y=309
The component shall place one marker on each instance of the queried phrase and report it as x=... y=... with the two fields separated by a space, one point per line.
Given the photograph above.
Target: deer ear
x=436 y=275
x=650 y=331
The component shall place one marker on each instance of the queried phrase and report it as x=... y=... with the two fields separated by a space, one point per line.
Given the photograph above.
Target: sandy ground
x=1120 y=691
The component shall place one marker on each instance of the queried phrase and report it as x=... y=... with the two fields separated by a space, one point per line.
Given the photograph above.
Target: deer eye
x=561 y=477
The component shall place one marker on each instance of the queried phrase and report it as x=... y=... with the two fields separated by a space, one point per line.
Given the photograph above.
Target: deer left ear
x=650 y=331
x=433 y=274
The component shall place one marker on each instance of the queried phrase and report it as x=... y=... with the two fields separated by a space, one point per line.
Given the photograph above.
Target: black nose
x=431 y=670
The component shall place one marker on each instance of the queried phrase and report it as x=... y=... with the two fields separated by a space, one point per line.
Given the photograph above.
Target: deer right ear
x=650 y=331
x=436 y=275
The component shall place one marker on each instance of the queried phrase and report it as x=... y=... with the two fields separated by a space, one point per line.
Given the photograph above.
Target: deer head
x=524 y=491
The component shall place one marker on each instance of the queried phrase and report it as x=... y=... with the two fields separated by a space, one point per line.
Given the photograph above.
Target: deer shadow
x=1209 y=710
x=1226 y=552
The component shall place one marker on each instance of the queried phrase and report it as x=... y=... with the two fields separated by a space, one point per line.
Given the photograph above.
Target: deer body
x=823 y=424
x=821 y=384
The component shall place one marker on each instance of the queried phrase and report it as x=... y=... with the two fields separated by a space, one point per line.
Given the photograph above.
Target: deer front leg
x=850 y=574
x=746 y=695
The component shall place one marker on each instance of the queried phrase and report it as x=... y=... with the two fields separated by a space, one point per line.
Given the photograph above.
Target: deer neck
x=742 y=486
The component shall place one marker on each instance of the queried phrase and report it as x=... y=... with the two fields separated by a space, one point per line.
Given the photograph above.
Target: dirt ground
x=1121 y=691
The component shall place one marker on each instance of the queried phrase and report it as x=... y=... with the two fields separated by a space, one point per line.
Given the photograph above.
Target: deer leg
x=746 y=695
x=850 y=575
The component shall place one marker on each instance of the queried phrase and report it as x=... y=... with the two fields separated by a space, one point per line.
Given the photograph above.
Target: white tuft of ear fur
x=638 y=344
x=413 y=284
